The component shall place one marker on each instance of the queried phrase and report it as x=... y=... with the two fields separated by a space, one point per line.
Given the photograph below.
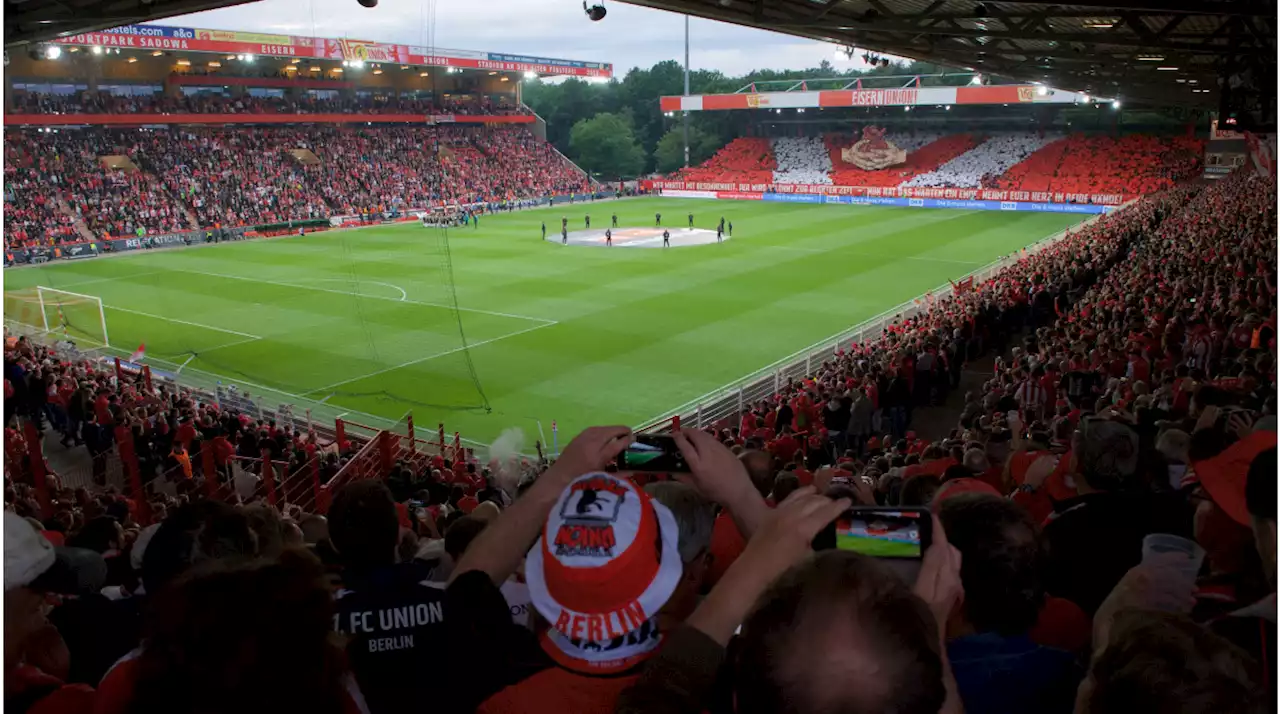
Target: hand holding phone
x=653 y=452
x=885 y=532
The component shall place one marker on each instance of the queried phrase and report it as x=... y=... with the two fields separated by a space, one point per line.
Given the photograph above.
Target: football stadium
x=308 y=333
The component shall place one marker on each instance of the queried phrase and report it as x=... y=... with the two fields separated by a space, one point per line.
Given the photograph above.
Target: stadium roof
x=38 y=20
x=1156 y=51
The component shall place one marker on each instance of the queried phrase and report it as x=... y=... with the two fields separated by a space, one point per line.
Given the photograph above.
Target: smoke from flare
x=504 y=458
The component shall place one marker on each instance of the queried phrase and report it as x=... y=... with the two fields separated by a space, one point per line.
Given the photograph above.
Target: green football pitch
x=362 y=320
x=877 y=547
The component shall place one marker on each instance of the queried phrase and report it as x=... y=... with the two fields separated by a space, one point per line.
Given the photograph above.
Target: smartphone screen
x=653 y=452
x=884 y=532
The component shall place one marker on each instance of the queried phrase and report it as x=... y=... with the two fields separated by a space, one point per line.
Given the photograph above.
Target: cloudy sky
x=629 y=36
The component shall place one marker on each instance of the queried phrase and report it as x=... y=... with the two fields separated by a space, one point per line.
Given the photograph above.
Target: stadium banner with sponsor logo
x=159 y=119
x=157 y=37
x=895 y=97
x=151 y=37
x=972 y=205
x=44 y=253
x=981 y=194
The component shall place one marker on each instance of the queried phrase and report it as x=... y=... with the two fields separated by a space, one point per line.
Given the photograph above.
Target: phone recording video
x=884 y=532
x=653 y=452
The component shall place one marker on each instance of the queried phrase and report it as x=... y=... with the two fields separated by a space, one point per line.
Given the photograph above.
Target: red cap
x=873 y=443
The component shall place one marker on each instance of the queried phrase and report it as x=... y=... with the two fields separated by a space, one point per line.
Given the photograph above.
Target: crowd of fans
x=1130 y=165
x=111 y=202
x=233 y=178
x=743 y=160
x=189 y=177
x=1103 y=527
x=801 y=159
x=985 y=161
x=31 y=214
x=925 y=152
x=208 y=103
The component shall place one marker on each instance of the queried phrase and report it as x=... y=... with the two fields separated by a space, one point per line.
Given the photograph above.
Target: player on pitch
x=691 y=220
x=608 y=237
x=615 y=220
x=564 y=236
x=544 y=230
x=587 y=217
x=666 y=239
x=657 y=219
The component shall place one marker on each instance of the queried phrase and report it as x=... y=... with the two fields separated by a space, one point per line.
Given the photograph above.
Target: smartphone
x=653 y=452
x=885 y=532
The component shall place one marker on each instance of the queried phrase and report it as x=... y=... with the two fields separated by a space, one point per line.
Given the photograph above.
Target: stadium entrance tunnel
x=637 y=237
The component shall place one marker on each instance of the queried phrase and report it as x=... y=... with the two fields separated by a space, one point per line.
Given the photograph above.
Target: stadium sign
x=904 y=96
x=157 y=37
x=984 y=194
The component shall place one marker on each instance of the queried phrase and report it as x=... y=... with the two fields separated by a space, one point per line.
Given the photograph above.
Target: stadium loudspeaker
x=368 y=3
x=595 y=12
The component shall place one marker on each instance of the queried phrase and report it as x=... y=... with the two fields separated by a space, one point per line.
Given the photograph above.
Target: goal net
x=76 y=317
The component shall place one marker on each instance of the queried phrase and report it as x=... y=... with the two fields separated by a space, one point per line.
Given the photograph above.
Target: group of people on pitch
x=657 y=222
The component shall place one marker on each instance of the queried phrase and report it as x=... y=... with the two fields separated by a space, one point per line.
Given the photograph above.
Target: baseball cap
x=607 y=561
x=1225 y=476
x=31 y=561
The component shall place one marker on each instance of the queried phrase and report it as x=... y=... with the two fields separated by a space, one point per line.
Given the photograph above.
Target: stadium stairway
x=304 y=156
x=142 y=164
x=76 y=221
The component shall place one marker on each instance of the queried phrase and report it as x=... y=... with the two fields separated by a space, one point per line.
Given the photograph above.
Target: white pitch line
x=247 y=340
x=184 y=322
x=404 y=296
x=278 y=283
x=419 y=360
x=111 y=279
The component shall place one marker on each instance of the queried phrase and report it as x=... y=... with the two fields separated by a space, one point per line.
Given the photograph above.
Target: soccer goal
x=74 y=316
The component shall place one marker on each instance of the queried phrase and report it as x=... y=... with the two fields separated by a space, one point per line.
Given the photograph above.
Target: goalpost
x=59 y=312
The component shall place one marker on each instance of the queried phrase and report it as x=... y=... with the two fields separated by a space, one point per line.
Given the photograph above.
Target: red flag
x=139 y=354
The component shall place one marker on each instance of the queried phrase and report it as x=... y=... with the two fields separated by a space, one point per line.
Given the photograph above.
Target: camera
x=595 y=12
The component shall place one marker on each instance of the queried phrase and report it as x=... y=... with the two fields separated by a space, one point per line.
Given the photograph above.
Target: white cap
x=27 y=553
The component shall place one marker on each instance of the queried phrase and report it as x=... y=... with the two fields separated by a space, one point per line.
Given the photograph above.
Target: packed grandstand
x=1073 y=164
x=1102 y=500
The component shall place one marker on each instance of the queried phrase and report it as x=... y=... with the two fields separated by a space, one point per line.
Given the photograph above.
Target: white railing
x=736 y=397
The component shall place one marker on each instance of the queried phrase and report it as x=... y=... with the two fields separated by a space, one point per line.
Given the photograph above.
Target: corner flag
x=139 y=354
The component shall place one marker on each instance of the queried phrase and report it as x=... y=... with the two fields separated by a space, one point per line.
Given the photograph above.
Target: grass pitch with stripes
x=362 y=319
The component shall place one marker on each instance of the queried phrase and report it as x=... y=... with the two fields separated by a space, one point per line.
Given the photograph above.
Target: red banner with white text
x=964 y=194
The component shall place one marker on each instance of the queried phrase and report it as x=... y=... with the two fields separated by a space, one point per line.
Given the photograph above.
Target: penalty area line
x=427 y=358
x=299 y=286
x=184 y=322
